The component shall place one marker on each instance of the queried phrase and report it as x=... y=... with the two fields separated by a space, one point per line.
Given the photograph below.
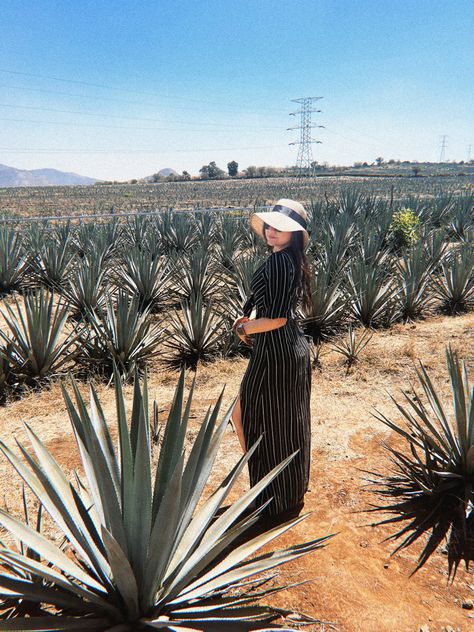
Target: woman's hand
x=246 y=339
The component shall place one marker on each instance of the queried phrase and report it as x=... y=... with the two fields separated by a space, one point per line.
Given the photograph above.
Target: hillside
x=12 y=177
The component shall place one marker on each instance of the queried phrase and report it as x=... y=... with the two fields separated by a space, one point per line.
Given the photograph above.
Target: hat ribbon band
x=289 y=212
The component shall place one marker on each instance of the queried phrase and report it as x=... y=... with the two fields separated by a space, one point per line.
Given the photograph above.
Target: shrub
x=404 y=229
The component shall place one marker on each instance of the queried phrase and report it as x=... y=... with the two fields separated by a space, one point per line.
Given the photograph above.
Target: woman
x=275 y=391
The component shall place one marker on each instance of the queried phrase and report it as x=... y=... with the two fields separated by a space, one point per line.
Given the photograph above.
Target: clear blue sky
x=121 y=89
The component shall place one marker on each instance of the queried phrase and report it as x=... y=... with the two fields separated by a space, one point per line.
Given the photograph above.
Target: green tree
x=211 y=171
x=232 y=168
x=214 y=171
x=204 y=171
x=251 y=171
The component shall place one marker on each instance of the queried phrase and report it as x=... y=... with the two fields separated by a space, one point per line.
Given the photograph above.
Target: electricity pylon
x=305 y=155
x=442 y=153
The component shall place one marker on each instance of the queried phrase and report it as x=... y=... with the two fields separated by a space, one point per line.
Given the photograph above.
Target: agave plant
x=98 y=240
x=86 y=286
x=176 y=233
x=194 y=334
x=6 y=373
x=53 y=263
x=431 y=486
x=229 y=238
x=195 y=273
x=205 y=226
x=462 y=223
x=245 y=267
x=122 y=333
x=352 y=346
x=415 y=278
x=438 y=210
x=337 y=238
x=328 y=304
x=12 y=261
x=455 y=286
x=38 y=347
x=144 y=550
x=146 y=277
x=373 y=295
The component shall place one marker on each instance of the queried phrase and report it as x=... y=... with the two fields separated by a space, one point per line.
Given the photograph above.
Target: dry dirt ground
x=359 y=587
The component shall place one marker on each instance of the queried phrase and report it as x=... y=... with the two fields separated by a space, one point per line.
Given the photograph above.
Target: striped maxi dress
x=276 y=387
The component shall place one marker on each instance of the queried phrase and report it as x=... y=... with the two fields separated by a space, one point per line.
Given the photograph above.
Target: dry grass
x=360 y=588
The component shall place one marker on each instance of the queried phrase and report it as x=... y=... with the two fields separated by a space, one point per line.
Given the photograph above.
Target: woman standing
x=275 y=391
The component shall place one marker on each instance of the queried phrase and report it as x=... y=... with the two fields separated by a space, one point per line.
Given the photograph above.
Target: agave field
x=141 y=545
x=122 y=198
x=84 y=296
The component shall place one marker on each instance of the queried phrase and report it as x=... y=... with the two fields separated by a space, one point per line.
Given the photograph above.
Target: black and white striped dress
x=276 y=387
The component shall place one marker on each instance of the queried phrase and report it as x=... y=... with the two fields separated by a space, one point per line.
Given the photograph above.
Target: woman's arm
x=256 y=326
x=260 y=325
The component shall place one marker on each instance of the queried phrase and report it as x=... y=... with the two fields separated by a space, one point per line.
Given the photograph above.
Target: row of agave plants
x=171 y=285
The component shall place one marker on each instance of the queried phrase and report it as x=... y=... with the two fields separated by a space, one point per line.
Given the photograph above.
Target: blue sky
x=120 y=89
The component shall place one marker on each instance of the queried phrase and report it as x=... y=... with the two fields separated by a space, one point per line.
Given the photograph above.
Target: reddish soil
x=359 y=586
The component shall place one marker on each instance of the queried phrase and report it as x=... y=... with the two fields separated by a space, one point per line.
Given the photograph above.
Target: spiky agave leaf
x=37 y=346
x=431 y=485
x=17 y=605
x=149 y=551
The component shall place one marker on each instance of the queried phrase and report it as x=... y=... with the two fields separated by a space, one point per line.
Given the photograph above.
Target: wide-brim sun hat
x=286 y=216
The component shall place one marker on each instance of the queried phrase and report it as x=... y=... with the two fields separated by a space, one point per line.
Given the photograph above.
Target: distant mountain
x=11 y=177
x=167 y=171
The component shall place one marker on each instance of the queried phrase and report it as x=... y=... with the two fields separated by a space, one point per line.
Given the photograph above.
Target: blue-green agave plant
x=144 y=547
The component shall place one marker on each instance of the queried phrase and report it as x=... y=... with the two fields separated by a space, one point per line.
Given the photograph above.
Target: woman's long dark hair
x=296 y=248
x=303 y=283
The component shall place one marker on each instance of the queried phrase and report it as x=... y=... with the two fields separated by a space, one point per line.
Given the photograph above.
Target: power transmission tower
x=442 y=153
x=305 y=155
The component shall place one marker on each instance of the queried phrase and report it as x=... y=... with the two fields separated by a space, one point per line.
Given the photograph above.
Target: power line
x=131 y=151
x=126 y=101
x=141 y=92
x=129 y=118
x=123 y=127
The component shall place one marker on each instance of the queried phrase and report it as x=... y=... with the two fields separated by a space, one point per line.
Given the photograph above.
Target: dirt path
x=360 y=587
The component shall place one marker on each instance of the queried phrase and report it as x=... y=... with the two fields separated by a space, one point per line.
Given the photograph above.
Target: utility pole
x=305 y=156
x=469 y=149
x=442 y=153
